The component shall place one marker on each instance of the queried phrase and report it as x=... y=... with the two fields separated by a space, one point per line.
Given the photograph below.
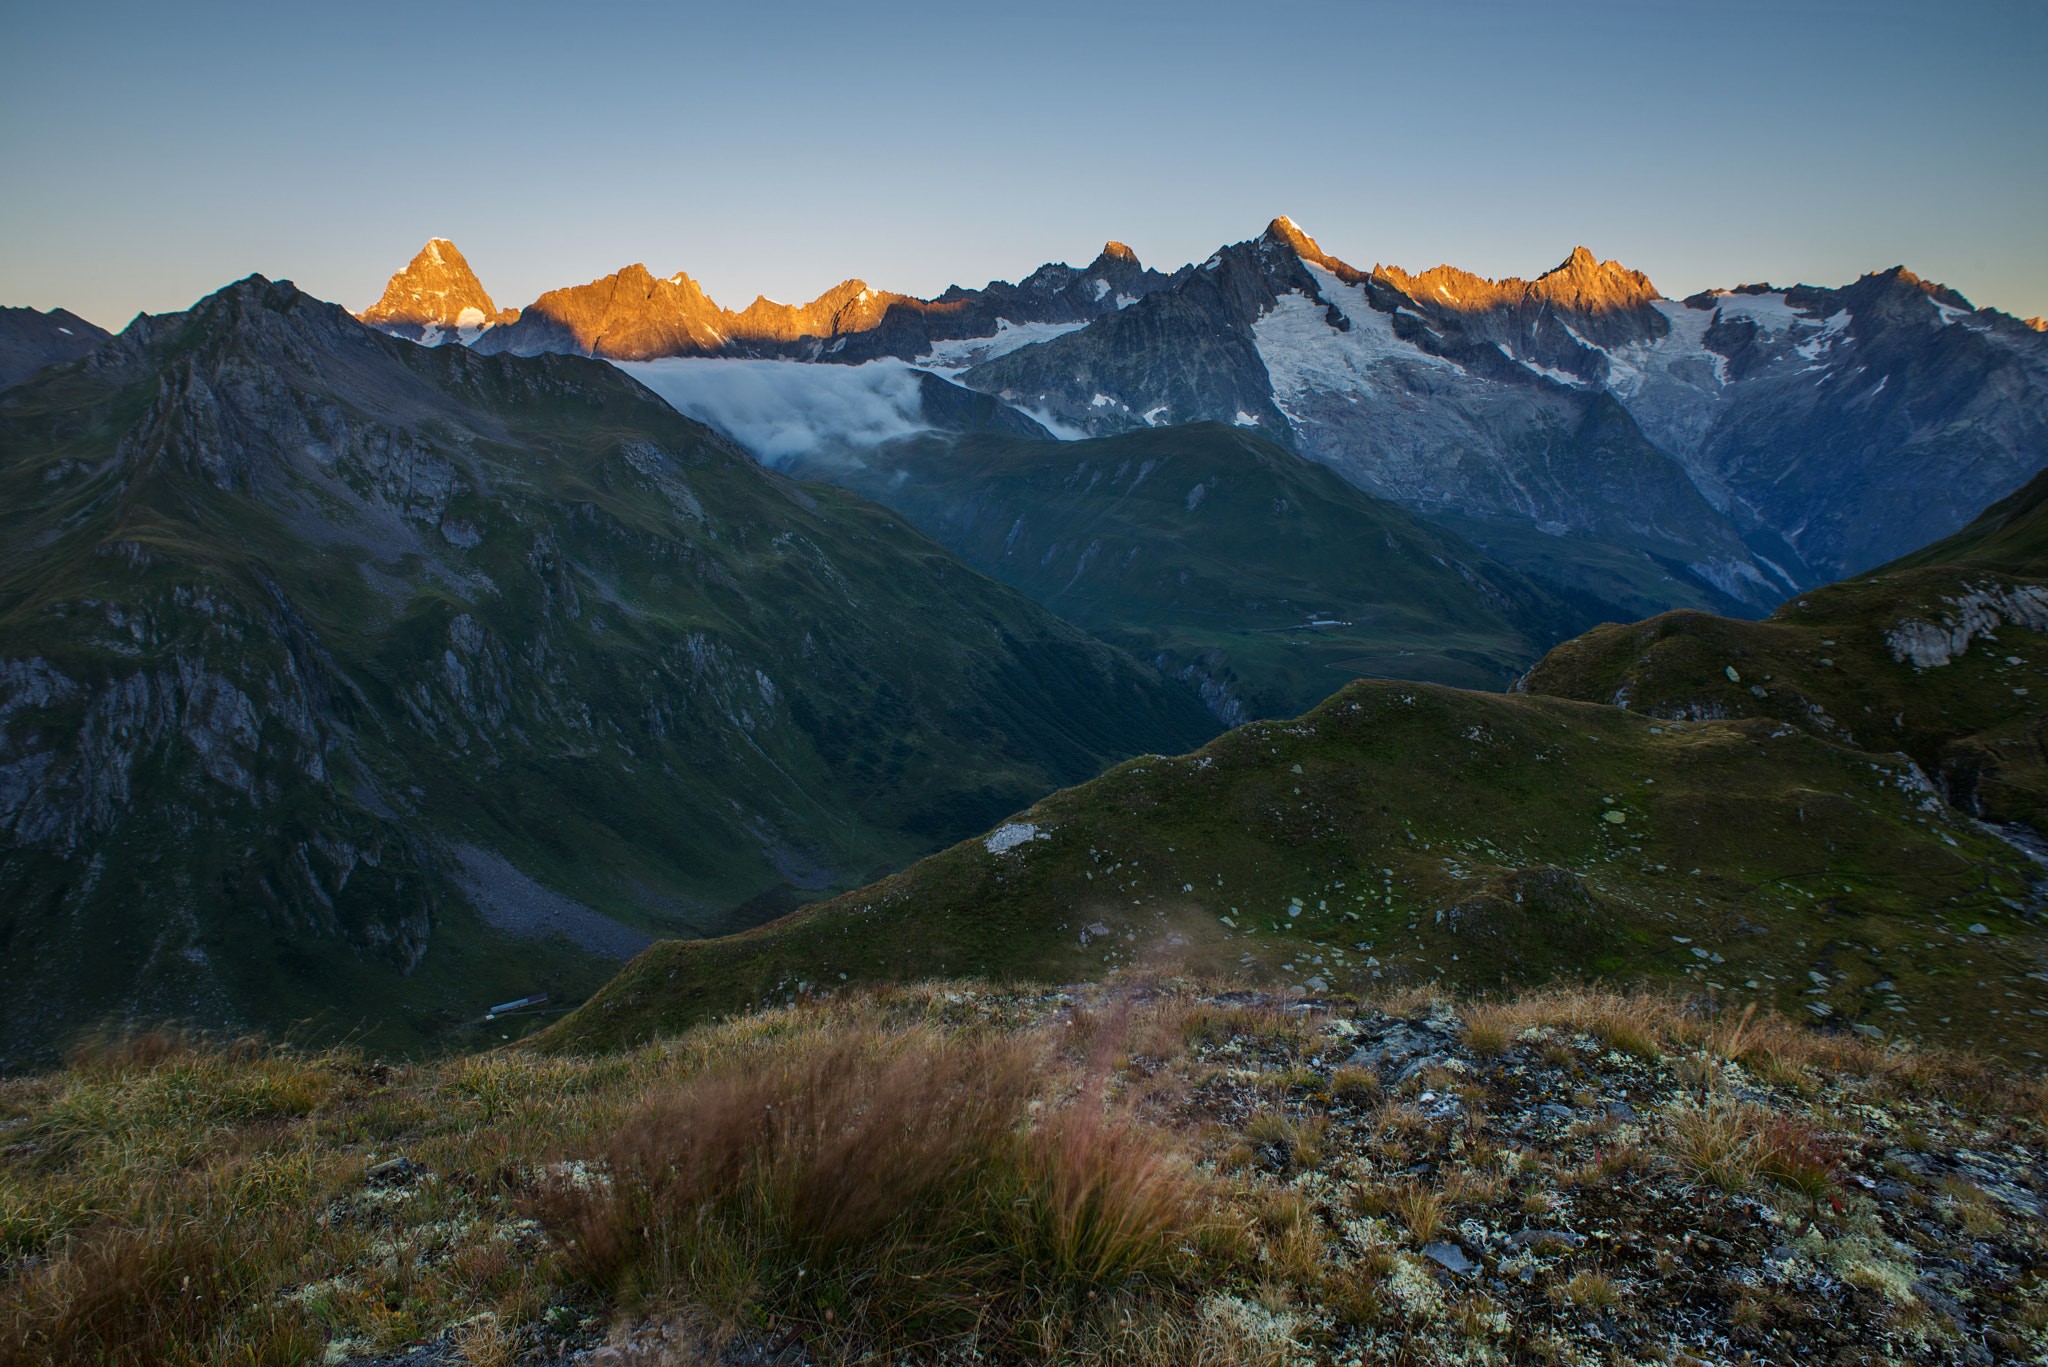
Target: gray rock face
x=1054 y=293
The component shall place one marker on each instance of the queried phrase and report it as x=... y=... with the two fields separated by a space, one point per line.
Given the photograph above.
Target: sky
x=151 y=153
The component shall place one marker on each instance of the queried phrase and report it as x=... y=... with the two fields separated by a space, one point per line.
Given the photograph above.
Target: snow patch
x=1769 y=312
x=956 y=354
x=1304 y=354
x=1243 y=419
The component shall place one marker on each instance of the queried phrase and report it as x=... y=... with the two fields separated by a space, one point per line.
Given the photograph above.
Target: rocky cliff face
x=30 y=340
x=332 y=666
x=436 y=299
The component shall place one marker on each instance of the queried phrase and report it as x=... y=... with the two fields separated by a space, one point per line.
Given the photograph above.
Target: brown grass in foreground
x=950 y=1162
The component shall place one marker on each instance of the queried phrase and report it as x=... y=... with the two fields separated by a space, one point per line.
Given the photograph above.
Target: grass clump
x=885 y=1183
x=1720 y=1143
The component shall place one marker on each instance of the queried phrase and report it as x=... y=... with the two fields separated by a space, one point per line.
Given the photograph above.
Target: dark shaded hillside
x=30 y=340
x=314 y=644
x=1210 y=550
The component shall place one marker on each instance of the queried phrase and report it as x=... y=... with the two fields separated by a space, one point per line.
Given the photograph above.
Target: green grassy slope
x=292 y=612
x=1411 y=832
x=1209 y=549
x=1940 y=655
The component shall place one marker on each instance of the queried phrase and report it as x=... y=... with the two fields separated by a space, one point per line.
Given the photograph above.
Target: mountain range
x=342 y=675
x=1719 y=452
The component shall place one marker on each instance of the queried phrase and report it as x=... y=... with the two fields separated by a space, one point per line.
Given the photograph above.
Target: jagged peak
x=2037 y=323
x=1591 y=285
x=1581 y=282
x=1285 y=229
x=1117 y=251
x=1899 y=276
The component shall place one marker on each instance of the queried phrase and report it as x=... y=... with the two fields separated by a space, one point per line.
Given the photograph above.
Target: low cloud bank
x=780 y=410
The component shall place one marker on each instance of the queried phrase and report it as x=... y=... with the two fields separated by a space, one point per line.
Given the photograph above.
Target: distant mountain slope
x=436 y=299
x=30 y=340
x=1856 y=424
x=2010 y=537
x=1829 y=429
x=330 y=664
x=1219 y=555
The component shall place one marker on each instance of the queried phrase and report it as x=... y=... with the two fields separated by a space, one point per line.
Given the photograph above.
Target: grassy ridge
x=1830 y=663
x=1403 y=833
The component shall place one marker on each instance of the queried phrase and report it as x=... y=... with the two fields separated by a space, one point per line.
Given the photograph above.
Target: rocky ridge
x=631 y=315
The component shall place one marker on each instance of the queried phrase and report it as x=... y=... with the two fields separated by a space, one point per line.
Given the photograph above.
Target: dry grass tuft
x=1592 y=1290
x=1491 y=1029
x=1420 y=1210
x=1355 y=1086
x=896 y=1162
x=1721 y=1143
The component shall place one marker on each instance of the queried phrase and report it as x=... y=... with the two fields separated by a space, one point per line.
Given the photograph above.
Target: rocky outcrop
x=1978 y=611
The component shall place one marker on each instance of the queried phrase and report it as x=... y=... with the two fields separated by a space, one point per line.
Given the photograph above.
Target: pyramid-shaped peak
x=1285 y=229
x=1117 y=251
x=437 y=289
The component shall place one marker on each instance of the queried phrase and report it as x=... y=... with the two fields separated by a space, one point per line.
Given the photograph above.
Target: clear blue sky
x=152 y=152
